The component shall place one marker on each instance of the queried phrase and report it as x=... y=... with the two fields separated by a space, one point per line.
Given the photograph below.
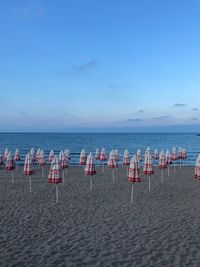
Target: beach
x=100 y=228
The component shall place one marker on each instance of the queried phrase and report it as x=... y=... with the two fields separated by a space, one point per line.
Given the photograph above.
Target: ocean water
x=90 y=141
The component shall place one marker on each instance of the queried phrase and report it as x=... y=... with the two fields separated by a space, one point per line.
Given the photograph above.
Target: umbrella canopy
x=148 y=166
x=51 y=156
x=41 y=160
x=126 y=160
x=139 y=155
x=1 y=159
x=168 y=157
x=182 y=153
x=64 y=162
x=38 y=154
x=174 y=155
x=147 y=150
x=54 y=172
x=197 y=168
x=134 y=172
x=156 y=154
x=32 y=152
x=17 y=155
x=162 y=160
x=112 y=160
x=6 y=153
x=67 y=154
x=90 y=167
x=10 y=165
x=103 y=156
x=97 y=154
x=116 y=154
x=83 y=157
x=28 y=167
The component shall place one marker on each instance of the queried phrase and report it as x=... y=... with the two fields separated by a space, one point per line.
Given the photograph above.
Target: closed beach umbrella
x=38 y=154
x=51 y=156
x=33 y=155
x=54 y=174
x=97 y=154
x=168 y=160
x=134 y=174
x=148 y=168
x=67 y=154
x=83 y=158
x=139 y=155
x=103 y=157
x=41 y=161
x=126 y=160
x=116 y=154
x=162 y=163
x=28 y=168
x=174 y=157
x=147 y=151
x=197 y=168
x=6 y=153
x=181 y=155
x=64 y=163
x=17 y=156
x=10 y=165
x=90 y=168
x=112 y=163
x=156 y=154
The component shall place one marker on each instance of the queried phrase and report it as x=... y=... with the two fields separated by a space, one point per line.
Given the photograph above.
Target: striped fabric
x=112 y=160
x=139 y=155
x=54 y=172
x=162 y=160
x=10 y=165
x=89 y=167
x=174 y=155
x=97 y=154
x=17 y=155
x=103 y=156
x=156 y=154
x=168 y=157
x=126 y=160
x=134 y=172
x=148 y=166
x=28 y=167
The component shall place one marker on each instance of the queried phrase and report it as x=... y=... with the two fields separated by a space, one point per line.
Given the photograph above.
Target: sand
x=100 y=228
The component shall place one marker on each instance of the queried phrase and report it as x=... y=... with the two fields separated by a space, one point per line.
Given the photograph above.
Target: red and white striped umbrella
x=97 y=154
x=28 y=168
x=33 y=155
x=197 y=168
x=64 y=164
x=67 y=154
x=139 y=155
x=156 y=154
x=41 y=161
x=10 y=165
x=103 y=157
x=38 y=154
x=83 y=158
x=6 y=153
x=51 y=156
x=116 y=154
x=112 y=163
x=168 y=160
x=162 y=163
x=90 y=168
x=174 y=156
x=54 y=174
x=126 y=160
x=181 y=155
x=17 y=155
x=148 y=167
x=134 y=174
x=147 y=151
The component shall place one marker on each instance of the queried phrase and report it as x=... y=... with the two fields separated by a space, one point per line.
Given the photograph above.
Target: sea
x=75 y=142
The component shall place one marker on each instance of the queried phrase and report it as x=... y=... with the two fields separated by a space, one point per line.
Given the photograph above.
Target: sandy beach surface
x=100 y=228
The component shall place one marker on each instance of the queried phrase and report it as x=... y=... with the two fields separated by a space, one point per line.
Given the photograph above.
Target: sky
x=99 y=65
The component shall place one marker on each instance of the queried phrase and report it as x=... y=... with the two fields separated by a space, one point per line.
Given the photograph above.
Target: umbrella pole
x=168 y=170
x=113 y=175
x=162 y=176
x=56 y=193
x=63 y=172
x=127 y=170
x=132 y=193
x=42 y=172
x=12 y=174
x=174 y=167
x=30 y=184
x=149 y=183
x=103 y=168
x=180 y=163
x=91 y=184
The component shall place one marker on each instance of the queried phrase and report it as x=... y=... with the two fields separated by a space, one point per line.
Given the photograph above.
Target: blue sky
x=73 y=65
